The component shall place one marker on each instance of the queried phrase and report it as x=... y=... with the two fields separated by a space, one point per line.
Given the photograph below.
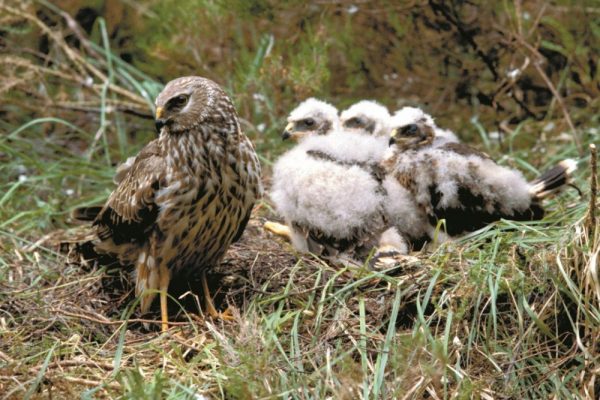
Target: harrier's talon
x=226 y=315
x=209 y=305
x=278 y=229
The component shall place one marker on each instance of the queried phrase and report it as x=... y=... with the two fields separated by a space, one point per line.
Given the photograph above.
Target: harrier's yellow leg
x=208 y=303
x=278 y=229
x=164 y=287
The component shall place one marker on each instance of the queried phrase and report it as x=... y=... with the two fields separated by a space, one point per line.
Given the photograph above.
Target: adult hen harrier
x=186 y=196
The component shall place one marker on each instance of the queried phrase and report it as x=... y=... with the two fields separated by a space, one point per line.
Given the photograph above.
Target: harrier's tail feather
x=86 y=213
x=553 y=180
x=85 y=253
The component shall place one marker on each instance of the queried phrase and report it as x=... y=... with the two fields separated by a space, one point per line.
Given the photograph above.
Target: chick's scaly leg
x=278 y=229
x=210 y=307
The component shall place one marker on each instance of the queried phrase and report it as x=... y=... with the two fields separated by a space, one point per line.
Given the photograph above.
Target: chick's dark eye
x=409 y=130
x=178 y=101
x=309 y=122
x=354 y=122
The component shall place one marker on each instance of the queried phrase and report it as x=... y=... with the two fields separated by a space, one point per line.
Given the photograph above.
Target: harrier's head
x=367 y=117
x=191 y=101
x=311 y=117
x=411 y=129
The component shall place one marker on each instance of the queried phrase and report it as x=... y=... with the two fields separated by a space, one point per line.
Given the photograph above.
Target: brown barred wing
x=131 y=211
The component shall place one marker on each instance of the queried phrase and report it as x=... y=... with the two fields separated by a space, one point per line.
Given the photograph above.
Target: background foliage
x=501 y=62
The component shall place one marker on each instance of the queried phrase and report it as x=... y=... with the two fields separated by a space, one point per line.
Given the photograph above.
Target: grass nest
x=438 y=321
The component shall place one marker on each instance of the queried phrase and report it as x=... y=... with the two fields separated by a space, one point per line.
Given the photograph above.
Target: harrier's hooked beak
x=159 y=122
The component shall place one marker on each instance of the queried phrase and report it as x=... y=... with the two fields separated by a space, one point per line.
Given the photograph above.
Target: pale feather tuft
x=348 y=146
x=370 y=110
x=411 y=115
x=569 y=165
x=553 y=180
x=317 y=109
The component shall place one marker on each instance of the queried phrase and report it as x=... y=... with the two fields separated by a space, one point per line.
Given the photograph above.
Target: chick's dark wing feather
x=477 y=203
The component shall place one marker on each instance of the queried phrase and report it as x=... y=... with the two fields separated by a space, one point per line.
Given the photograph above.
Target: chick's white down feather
x=403 y=212
x=446 y=171
x=348 y=146
x=336 y=199
x=410 y=115
x=371 y=111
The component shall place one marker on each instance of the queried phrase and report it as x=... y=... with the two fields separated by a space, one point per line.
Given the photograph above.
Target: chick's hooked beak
x=159 y=122
x=288 y=131
x=393 y=137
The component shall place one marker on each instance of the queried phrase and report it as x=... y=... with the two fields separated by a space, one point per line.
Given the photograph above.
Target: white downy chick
x=463 y=186
x=329 y=191
x=408 y=115
x=312 y=117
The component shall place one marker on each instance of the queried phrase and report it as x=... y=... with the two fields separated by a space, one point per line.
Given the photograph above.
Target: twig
x=106 y=321
x=91 y=109
x=593 y=191
x=84 y=67
x=80 y=363
x=76 y=29
x=89 y=382
x=6 y=357
x=71 y=363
